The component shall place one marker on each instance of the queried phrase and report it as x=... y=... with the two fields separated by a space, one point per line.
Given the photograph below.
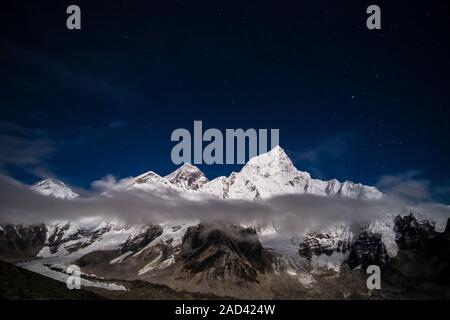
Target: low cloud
x=24 y=148
x=293 y=214
x=110 y=183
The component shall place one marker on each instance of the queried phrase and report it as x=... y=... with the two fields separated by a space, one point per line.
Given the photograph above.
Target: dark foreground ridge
x=18 y=283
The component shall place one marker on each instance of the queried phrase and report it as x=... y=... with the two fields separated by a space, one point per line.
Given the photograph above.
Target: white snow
x=273 y=173
x=45 y=253
x=187 y=177
x=39 y=267
x=150 y=181
x=113 y=237
x=217 y=187
x=384 y=225
x=264 y=176
x=333 y=262
x=122 y=257
x=55 y=188
x=286 y=247
x=151 y=265
x=306 y=279
x=172 y=234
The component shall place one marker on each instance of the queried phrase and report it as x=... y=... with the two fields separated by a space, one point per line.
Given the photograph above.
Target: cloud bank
x=293 y=214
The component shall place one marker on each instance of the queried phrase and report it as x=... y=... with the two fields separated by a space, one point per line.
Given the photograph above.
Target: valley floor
x=19 y=283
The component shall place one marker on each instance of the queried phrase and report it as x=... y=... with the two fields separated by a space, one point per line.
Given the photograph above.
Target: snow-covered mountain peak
x=147 y=177
x=267 y=174
x=274 y=161
x=188 y=167
x=187 y=177
x=149 y=181
x=274 y=173
x=275 y=157
x=360 y=191
x=54 y=187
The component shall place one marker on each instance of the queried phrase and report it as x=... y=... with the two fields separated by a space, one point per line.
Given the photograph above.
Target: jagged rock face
x=212 y=253
x=65 y=238
x=142 y=254
x=421 y=268
x=18 y=241
x=57 y=237
x=368 y=249
x=411 y=233
x=423 y=252
x=139 y=242
x=363 y=249
x=321 y=243
x=326 y=242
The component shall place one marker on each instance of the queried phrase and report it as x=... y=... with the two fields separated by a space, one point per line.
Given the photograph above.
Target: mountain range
x=266 y=175
x=239 y=261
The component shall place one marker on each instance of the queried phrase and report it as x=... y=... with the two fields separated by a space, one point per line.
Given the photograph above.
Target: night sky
x=350 y=103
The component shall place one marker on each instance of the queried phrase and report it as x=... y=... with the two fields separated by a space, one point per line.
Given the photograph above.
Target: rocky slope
x=422 y=265
x=18 y=242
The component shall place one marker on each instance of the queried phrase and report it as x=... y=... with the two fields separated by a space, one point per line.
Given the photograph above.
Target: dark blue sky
x=350 y=103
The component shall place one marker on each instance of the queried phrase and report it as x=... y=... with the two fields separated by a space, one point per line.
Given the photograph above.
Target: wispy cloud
x=405 y=184
x=329 y=148
x=110 y=183
x=29 y=149
x=410 y=185
x=85 y=134
x=65 y=74
x=24 y=148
